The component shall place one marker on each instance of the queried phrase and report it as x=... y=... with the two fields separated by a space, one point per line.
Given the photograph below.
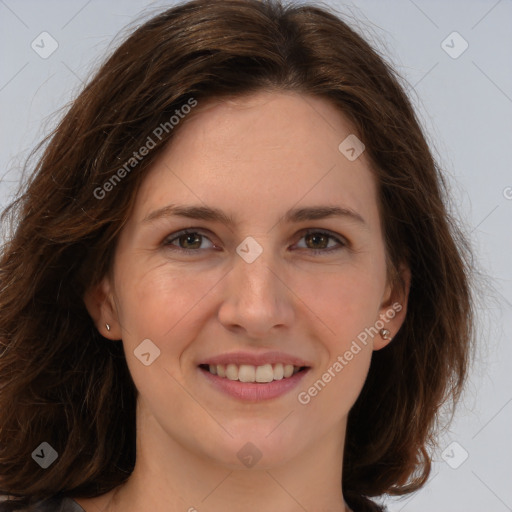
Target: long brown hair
x=62 y=383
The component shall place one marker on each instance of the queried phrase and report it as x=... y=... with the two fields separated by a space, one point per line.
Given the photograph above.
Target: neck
x=169 y=477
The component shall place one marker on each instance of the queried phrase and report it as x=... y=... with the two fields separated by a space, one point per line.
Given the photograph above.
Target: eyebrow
x=208 y=213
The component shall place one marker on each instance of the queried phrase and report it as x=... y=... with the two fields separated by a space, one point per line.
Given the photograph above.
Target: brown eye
x=187 y=241
x=318 y=242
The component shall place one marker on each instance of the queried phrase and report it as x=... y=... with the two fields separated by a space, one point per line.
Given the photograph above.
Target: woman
x=298 y=360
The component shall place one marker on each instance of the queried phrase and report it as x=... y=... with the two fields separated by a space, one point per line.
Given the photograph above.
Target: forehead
x=260 y=154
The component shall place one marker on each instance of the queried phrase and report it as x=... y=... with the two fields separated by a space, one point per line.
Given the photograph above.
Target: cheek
x=166 y=306
x=160 y=303
x=346 y=301
x=349 y=308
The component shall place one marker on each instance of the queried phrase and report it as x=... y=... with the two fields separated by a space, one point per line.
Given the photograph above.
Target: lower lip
x=254 y=391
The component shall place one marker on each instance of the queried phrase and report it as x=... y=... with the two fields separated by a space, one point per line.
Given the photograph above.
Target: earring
x=108 y=327
x=384 y=333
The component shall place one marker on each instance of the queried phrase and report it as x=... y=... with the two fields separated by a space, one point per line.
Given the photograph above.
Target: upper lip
x=255 y=359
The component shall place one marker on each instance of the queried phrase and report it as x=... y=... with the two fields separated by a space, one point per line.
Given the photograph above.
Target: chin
x=256 y=450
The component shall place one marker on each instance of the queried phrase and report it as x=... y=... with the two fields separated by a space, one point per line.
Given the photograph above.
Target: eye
x=320 y=239
x=189 y=241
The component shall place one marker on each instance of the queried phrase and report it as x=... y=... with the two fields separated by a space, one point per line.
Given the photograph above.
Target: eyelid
x=342 y=242
x=177 y=234
x=340 y=239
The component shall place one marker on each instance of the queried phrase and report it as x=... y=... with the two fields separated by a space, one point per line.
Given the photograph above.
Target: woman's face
x=256 y=286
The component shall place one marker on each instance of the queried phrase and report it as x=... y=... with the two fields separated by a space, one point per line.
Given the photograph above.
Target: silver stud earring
x=385 y=334
x=108 y=327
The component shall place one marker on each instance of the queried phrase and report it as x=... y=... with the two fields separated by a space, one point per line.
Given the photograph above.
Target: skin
x=279 y=151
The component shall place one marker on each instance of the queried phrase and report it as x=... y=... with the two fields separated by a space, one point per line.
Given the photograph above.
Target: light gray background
x=465 y=105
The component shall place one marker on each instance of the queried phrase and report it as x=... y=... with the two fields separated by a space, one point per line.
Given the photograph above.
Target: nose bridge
x=255 y=268
x=256 y=298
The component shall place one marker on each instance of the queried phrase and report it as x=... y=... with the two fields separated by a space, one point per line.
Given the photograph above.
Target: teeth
x=250 y=373
x=247 y=373
x=232 y=372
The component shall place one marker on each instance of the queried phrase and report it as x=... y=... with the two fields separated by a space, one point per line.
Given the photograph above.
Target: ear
x=393 y=308
x=100 y=303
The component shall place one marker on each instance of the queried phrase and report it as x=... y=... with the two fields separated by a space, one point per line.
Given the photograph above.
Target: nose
x=258 y=298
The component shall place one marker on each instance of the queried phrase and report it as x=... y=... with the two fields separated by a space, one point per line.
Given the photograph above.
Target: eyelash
x=193 y=231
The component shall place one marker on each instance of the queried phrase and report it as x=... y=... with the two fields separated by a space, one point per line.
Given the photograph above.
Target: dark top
x=60 y=505
x=56 y=504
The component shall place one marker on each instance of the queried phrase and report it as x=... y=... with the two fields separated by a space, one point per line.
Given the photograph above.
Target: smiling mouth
x=255 y=374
